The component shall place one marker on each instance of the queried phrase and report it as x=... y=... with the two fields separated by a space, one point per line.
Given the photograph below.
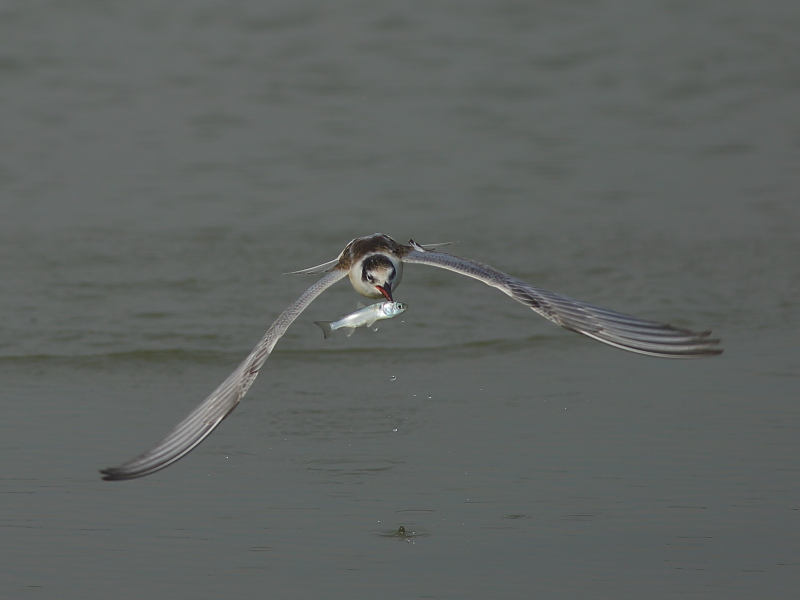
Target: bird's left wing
x=205 y=418
x=608 y=326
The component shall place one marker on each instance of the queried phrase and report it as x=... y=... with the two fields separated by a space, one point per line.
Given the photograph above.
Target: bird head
x=376 y=275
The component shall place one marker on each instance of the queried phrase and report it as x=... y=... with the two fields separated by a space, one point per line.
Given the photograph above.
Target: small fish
x=365 y=316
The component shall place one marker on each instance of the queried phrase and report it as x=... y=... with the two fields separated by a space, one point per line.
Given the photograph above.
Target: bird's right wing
x=205 y=418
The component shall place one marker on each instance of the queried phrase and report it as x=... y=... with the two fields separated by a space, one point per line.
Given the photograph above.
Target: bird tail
x=327 y=331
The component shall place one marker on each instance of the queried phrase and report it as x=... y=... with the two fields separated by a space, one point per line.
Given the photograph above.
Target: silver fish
x=365 y=316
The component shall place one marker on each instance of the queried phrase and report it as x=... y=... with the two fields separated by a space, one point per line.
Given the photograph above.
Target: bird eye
x=370 y=278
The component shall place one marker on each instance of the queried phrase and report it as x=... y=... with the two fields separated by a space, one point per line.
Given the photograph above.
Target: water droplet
x=393 y=378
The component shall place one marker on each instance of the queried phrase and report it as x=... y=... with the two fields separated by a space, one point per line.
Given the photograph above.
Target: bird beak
x=386 y=290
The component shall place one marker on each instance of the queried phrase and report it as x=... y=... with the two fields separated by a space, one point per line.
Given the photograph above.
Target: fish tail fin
x=327 y=331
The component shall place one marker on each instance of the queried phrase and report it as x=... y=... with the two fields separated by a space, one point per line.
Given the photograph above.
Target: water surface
x=163 y=164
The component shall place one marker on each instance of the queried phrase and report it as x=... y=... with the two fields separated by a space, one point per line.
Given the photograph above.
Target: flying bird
x=374 y=265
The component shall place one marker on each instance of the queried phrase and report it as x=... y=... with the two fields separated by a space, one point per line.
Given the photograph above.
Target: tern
x=374 y=265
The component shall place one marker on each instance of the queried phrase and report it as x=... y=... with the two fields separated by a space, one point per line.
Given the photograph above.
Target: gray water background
x=162 y=164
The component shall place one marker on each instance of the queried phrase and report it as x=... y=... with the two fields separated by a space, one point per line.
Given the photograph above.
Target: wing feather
x=221 y=402
x=602 y=324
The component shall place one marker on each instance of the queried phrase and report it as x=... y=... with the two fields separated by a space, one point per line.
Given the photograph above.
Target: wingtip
x=112 y=474
x=122 y=474
x=323 y=268
x=427 y=247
